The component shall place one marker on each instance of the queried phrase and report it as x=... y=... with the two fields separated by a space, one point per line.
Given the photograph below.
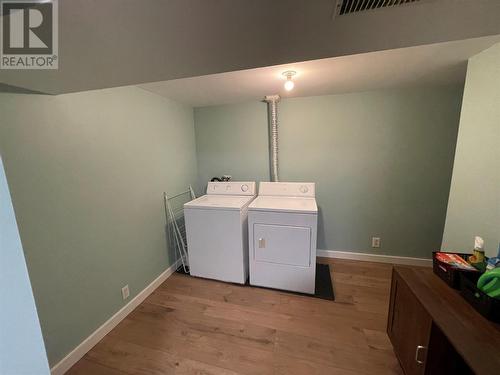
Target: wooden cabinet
x=444 y=359
x=409 y=328
x=434 y=331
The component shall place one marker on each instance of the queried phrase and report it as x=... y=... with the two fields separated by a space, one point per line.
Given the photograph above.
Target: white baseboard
x=375 y=258
x=76 y=354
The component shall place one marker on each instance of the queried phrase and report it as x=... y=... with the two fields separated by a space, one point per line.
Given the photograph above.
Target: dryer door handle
x=262 y=243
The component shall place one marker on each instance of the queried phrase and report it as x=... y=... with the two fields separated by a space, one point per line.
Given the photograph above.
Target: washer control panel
x=288 y=189
x=232 y=188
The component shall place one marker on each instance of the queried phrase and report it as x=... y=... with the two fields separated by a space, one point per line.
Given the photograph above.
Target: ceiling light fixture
x=289 y=85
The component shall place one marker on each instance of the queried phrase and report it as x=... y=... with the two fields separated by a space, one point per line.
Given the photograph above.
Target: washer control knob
x=304 y=189
x=244 y=188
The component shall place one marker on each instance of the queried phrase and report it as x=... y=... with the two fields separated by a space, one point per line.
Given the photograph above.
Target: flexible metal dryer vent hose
x=272 y=106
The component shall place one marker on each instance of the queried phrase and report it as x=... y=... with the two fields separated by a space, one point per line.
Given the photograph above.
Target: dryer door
x=282 y=244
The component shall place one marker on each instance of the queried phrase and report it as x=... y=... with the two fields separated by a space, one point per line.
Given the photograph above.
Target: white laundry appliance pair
x=231 y=233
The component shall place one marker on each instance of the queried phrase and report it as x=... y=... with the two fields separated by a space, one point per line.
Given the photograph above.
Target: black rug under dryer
x=323 y=287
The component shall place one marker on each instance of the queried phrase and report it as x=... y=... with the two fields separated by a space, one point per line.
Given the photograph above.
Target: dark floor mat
x=324 y=284
x=323 y=288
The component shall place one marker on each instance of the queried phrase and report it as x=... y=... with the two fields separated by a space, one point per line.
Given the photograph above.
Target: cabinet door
x=443 y=357
x=408 y=327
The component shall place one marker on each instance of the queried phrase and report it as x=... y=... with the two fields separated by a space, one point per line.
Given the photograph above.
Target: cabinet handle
x=417 y=354
x=262 y=243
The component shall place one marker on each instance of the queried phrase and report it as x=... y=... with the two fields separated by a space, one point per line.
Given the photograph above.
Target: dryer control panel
x=288 y=189
x=232 y=188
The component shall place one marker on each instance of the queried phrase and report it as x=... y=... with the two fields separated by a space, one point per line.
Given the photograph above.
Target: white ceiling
x=435 y=64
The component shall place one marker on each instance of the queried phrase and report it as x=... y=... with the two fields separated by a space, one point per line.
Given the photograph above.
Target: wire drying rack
x=176 y=224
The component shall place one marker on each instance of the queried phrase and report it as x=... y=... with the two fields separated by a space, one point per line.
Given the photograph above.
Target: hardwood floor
x=203 y=327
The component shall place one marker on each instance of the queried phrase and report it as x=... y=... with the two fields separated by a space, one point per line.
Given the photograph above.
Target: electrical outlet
x=375 y=241
x=125 y=292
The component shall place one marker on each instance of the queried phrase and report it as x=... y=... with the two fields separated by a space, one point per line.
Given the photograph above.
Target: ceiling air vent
x=355 y=6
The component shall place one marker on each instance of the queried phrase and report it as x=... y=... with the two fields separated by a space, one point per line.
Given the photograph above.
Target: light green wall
x=86 y=173
x=382 y=161
x=22 y=351
x=474 y=204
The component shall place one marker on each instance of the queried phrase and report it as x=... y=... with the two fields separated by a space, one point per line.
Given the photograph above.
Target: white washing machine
x=217 y=231
x=282 y=226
